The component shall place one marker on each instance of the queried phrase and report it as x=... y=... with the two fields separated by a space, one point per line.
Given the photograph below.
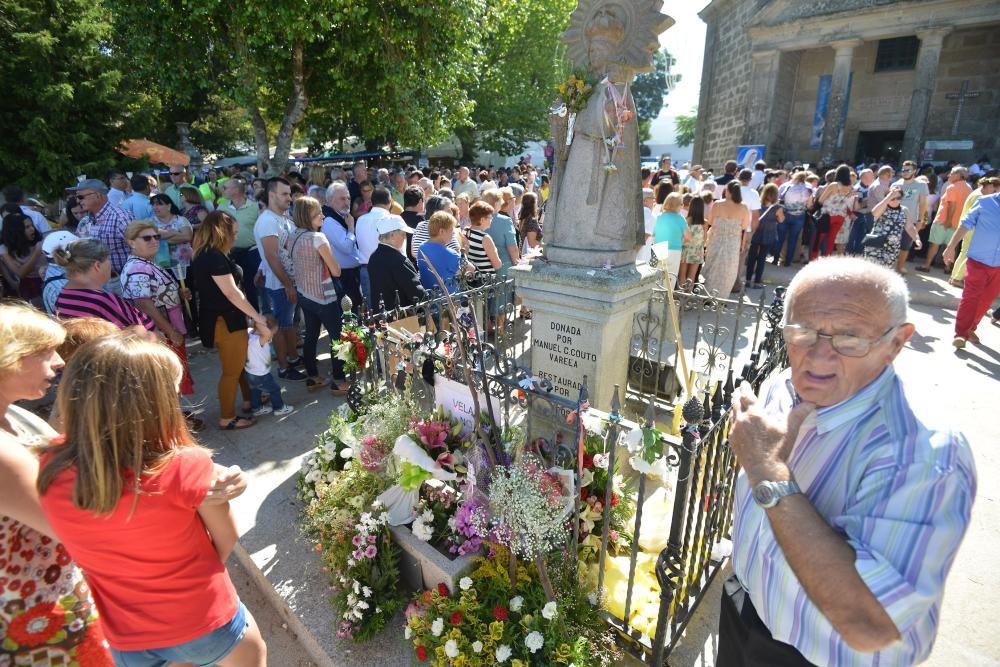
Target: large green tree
x=61 y=102
x=649 y=90
x=365 y=68
x=519 y=64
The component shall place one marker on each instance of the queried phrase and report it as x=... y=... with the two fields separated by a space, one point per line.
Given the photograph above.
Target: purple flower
x=371 y=539
x=371 y=551
x=356 y=540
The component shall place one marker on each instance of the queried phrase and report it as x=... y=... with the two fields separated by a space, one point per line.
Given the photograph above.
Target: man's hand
x=258 y=280
x=763 y=444
x=291 y=294
x=229 y=483
x=949 y=256
x=349 y=221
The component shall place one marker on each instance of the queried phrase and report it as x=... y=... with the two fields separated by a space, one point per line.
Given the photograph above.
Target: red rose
x=588 y=461
x=456 y=618
x=443 y=590
x=421 y=654
x=500 y=612
x=614 y=499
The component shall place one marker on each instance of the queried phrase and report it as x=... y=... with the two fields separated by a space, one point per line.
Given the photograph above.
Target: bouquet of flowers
x=334 y=448
x=354 y=348
x=593 y=494
x=492 y=620
x=575 y=91
x=529 y=507
x=432 y=449
x=434 y=513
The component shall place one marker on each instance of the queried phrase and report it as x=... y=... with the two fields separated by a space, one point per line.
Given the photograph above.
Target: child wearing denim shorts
x=258 y=369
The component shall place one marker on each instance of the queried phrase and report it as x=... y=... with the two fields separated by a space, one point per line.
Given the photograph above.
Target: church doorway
x=879 y=147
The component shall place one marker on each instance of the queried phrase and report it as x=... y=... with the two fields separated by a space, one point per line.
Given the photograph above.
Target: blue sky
x=686 y=42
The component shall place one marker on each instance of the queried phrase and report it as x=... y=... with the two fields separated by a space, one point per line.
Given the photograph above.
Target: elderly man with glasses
x=849 y=507
x=178 y=178
x=105 y=222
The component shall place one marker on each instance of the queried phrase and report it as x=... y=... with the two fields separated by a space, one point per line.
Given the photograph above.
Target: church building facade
x=858 y=80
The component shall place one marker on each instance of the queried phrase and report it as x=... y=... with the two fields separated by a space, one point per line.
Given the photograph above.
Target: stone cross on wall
x=961 y=96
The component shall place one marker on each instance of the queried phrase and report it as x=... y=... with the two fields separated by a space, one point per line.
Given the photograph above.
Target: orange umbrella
x=154 y=152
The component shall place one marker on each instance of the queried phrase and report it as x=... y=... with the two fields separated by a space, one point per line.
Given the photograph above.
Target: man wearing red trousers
x=982 y=279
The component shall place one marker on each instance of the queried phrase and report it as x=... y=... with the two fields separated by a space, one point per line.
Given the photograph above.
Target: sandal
x=237 y=424
x=339 y=388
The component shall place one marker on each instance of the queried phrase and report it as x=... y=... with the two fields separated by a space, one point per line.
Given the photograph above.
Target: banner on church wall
x=822 y=103
x=746 y=156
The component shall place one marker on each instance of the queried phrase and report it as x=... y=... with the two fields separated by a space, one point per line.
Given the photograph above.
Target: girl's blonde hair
x=217 y=231
x=122 y=419
x=303 y=211
x=25 y=331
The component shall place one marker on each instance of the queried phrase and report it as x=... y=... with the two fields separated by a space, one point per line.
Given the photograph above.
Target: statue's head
x=605 y=33
x=615 y=34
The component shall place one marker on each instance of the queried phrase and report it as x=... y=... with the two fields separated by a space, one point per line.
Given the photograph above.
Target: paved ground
x=954 y=388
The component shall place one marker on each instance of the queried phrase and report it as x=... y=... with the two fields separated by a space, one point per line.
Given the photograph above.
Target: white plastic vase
x=399 y=504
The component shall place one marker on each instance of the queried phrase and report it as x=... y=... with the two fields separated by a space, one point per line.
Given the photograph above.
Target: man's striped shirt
x=897 y=491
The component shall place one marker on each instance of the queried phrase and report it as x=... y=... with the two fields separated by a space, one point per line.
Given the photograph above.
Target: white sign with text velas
x=456 y=400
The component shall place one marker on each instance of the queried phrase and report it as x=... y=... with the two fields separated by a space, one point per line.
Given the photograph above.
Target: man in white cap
x=390 y=271
x=55 y=276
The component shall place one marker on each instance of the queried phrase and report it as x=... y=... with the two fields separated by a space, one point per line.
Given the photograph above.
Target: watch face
x=764 y=494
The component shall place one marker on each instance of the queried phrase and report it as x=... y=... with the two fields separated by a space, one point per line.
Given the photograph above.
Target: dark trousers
x=862 y=226
x=249 y=261
x=744 y=640
x=756 y=259
x=350 y=284
x=316 y=315
x=789 y=231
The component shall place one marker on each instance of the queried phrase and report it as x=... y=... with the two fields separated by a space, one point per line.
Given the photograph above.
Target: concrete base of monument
x=424 y=567
x=582 y=322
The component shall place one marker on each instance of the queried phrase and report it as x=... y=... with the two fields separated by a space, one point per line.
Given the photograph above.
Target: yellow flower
x=460 y=661
x=517 y=663
x=579 y=85
x=455 y=634
x=562 y=89
x=563 y=653
x=496 y=630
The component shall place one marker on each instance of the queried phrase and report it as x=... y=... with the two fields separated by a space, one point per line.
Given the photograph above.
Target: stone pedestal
x=581 y=323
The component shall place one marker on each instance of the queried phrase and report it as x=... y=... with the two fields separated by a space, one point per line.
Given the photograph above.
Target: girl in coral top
x=125 y=494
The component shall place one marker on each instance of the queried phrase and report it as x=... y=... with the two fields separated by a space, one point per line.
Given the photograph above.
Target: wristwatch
x=767 y=494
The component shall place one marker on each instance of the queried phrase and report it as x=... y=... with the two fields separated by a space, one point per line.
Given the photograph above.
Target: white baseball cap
x=57 y=239
x=392 y=223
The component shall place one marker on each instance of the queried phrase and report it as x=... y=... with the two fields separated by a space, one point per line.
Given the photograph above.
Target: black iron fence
x=474 y=337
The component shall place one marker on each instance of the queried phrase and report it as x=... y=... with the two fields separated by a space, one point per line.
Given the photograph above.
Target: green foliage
x=61 y=100
x=518 y=68
x=334 y=68
x=684 y=128
x=649 y=88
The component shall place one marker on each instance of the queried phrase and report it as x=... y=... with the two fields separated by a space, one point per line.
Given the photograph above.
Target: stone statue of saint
x=595 y=214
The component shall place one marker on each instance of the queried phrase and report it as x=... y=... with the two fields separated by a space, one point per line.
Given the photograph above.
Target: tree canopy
x=684 y=127
x=61 y=103
x=649 y=90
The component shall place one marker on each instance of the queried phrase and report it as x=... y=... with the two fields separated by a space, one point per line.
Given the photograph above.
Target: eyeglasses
x=845 y=344
x=150 y=237
x=80 y=196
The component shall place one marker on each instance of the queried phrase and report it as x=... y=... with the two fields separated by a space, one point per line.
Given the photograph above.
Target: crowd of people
x=725 y=229
x=135 y=267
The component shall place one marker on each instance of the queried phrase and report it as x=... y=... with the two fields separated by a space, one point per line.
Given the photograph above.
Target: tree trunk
x=261 y=140
x=294 y=111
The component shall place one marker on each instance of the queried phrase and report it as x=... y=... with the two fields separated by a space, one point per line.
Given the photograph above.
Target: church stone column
x=842 y=57
x=923 y=88
x=763 y=88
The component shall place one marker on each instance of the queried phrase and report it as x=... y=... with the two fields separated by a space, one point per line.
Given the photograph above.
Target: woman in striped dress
x=88 y=268
x=479 y=246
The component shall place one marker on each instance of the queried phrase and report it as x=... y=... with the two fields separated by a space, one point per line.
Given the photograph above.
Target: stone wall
x=968 y=55
x=722 y=112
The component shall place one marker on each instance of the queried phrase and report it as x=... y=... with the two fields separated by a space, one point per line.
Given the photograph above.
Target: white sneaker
x=263 y=410
x=283 y=410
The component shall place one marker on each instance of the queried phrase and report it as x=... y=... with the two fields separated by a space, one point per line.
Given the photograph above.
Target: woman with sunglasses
x=155 y=291
x=174 y=229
